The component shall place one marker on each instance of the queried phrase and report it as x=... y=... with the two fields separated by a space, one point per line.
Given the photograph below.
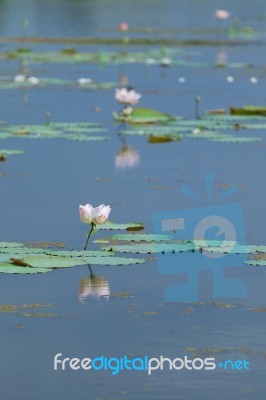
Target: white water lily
x=91 y=215
x=127 y=96
x=166 y=62
x=222 y=14
x=33 y=80
x=150 y=61
x=84 y=81
x=20 y=78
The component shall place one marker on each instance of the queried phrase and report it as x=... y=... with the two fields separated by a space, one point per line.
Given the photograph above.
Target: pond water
x=123 y=312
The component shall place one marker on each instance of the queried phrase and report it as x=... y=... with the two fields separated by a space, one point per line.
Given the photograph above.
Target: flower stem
x=197 y=101
x=89 y=235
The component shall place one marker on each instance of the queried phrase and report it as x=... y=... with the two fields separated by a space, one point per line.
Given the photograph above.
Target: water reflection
x=95 y=287
x=123 y=79
x=221 y=57
x=127 y=156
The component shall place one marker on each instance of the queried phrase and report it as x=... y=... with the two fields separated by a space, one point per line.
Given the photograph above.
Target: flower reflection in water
x=127 y=157
x=221 y=57
x=96 y=287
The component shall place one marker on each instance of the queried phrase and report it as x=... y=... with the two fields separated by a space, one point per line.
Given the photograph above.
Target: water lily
x=93 y=216
x=123 y=27
x=33 y=80
x=166 y=62
x=84 y=81
x=20 y=78
x=150 y=61
x=222 y=14
x=127 y=96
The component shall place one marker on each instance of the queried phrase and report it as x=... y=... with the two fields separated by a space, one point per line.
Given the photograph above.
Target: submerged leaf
x=162 y=139
x=248 y=110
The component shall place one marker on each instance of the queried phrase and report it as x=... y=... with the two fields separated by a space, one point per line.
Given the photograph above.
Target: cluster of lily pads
x=159 y=127
x=77 y=131
x=16 y=258
x=164 y=57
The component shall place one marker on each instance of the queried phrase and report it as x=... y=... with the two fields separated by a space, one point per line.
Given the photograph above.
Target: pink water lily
x=222 y=14
x=127 y=96
x=123 y=27
x=97 y=215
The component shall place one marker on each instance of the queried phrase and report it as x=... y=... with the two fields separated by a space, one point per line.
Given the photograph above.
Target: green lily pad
x=47 y=261
x=77 y=131
x=151 y=248
x=114 y=261
x=4 y=245
x=248 y=110
x=235 y=139
x=9 y=268
x=76 y=253
x=7 y=152
x=129 y=226
x=259 y=263
x=4 y=257
x=145 y=116
x=21 y=250
x=51 y=262
x=137 y=237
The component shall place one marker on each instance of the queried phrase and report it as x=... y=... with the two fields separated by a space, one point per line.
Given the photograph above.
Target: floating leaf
x=114 y=261
x=163 y=139
x=4 y=245
x=4 y=257
x=77 y=131
x=148 y=248
x=259 y=263
x=21 y=251
x=51 y=262
x=9 y=268
x=76 y=253
x=235 y=139
x=137 y=237
x=40 y=315
x=130 y=226
x=248 y=110
x=47 y=261
x=6 y=152
x=145 y=116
